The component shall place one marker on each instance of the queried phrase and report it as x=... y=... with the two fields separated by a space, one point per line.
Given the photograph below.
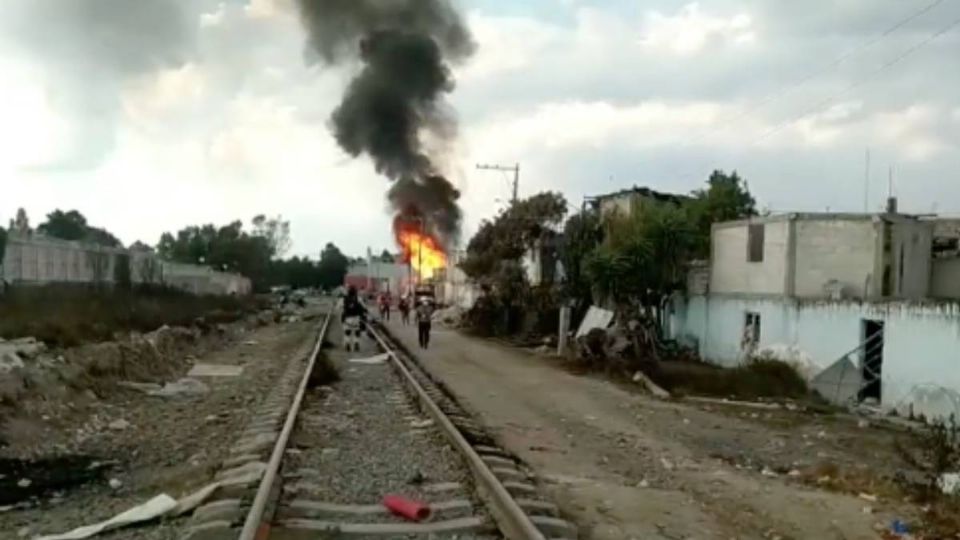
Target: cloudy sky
x=151 y=115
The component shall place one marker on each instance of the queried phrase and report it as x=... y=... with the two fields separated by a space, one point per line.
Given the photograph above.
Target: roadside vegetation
x=66 y=316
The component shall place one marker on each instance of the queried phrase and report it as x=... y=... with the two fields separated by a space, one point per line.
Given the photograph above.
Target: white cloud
x=214 y=18
x=506 y=44
x=691 y=30
x=153 y=96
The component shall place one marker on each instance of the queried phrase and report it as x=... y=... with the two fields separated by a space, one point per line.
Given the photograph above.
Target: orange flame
x=423 y=252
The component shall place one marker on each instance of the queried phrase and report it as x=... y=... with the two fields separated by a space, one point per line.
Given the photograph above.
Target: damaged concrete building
x=867 y=306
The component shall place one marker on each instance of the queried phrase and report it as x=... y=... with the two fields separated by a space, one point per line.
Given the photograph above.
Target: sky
x=152 y=115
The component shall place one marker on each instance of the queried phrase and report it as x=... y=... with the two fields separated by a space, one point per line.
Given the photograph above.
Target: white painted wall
x=945 y=278
x=730 y=271
x=37 y=260
x=921 y=363
x=835 y=249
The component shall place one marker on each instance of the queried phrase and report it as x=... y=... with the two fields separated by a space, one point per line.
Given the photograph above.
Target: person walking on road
x=404 y=307
x=424 y=320
x=385 y=307
x=352 y=319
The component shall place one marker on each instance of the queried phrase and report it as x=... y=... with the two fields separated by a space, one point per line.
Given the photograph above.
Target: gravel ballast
x=363 y=438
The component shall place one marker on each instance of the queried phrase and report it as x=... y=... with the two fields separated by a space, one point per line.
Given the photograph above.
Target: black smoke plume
x=406 y=48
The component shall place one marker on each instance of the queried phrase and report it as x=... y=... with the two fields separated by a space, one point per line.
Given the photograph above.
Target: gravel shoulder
x=160 y=445
x=623 y=465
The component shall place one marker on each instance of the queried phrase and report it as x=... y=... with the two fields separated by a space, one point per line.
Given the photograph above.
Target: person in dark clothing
x=352 y=318
x=424 y=322
x=404 y=307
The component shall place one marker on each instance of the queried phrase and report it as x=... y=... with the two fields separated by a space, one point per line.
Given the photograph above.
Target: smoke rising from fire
x=405 y=47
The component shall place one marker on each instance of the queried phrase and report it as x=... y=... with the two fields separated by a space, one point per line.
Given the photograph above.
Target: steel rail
x=254 y=528
x=513 y=522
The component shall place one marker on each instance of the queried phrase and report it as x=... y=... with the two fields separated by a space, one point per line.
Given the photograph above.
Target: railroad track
x=387 y=428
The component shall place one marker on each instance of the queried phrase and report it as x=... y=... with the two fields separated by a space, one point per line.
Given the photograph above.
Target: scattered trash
x=863 y=424
x=183 y=387
x=24 y=483
x=421 y=423
x=115 y=483
x=667 y=464
x=373 y=360
x=152 y=509
x=215 y=370
x=251 y=342
x=23 y=532
x=899 y=527
x=949 y=483
x=418 y=478
x=5 y=509
x=407 y=508
x=643 y=484
x=867 y=510
x=768 y=472
x=868 y=497
x=119 y=425
x=794 y=473
x=596 y=318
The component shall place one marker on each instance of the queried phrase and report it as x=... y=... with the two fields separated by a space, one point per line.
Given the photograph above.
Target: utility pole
x=515 y=169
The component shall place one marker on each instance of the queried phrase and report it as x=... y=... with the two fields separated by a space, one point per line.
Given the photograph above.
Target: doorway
x=871 y=364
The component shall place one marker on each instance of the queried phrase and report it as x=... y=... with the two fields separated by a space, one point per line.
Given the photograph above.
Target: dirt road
x=623 y=465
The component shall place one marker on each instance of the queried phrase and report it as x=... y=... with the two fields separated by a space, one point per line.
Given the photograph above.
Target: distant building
x=626 y=201
x=374 y=275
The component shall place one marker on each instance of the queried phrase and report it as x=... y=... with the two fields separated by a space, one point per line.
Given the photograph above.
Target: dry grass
x=67 y=316
x=756 y=379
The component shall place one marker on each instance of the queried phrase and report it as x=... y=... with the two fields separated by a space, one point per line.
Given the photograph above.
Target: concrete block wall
x=730 y=270
x=833 y=249
x=40 y=260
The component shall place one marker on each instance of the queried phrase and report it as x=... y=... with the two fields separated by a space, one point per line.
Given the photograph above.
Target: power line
x=857 y=84
x=775 y=95
x=869 y=77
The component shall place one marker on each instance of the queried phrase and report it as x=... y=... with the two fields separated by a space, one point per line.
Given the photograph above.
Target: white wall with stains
x=921 y=352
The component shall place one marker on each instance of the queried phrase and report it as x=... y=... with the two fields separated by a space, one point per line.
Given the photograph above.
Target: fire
x=422 y=251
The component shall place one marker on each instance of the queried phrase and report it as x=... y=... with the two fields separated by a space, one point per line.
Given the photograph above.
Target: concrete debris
x=652 y=387
x=119 y=425
x=215 y=370
x=373 y=360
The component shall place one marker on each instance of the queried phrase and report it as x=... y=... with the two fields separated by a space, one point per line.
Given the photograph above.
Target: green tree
x=332 y=267
x=276 y=231
x=72 y=225
x=511 y=233
x=581 y=236
x=726 y=197
x=386 y=256
x=3 y=244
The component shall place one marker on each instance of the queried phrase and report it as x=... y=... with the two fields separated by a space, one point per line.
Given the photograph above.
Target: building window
x=751 y=330
x=755 y=235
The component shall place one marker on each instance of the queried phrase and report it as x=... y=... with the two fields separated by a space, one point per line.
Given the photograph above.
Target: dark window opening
x=751 y=328
x=887 y=278
x=871 y=367
x=755 y=239
x=900 y=273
